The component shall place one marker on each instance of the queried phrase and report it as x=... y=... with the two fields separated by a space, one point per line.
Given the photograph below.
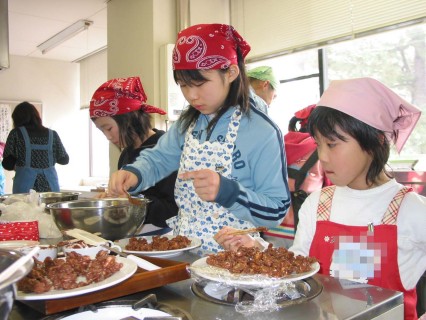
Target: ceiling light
x=64 y=35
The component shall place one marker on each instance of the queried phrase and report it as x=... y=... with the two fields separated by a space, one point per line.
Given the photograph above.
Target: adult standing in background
x=264 y=85
x=32 y=150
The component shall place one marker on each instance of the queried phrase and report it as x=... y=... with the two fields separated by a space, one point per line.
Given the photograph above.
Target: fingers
x=206 y=183
x=120 y=181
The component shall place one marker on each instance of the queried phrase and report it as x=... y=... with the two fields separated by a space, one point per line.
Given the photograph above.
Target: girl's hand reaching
x=121 y=181
x=233 y=242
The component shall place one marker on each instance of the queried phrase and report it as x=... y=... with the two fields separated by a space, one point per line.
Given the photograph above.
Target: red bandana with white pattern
x=208 y=46
x=118 y=96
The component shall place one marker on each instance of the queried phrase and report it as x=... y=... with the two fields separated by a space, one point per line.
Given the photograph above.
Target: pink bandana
x=118 y=96
x=208 y=46
x=370 y=101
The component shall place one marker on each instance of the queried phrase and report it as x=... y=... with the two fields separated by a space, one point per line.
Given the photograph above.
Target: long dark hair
x=131 y=125
x=26 y=115
x=324 y=120
x=238 y=93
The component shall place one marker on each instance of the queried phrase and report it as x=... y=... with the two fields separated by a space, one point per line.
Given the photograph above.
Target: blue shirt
x=258 y=190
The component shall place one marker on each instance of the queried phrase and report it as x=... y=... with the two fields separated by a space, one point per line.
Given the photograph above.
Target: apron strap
x=324 y=205
x=391 y=213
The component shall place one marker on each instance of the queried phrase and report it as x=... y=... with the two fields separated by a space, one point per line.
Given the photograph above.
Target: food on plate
x=273 y=262
x=71 y=272
x=158 y=243
x=74 y=244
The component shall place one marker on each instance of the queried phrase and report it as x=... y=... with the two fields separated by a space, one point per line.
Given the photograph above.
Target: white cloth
x=359 y=208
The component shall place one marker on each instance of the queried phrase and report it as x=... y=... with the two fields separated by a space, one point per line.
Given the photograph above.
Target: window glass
x=99 y=157
x=396 y=58
x=299 y=84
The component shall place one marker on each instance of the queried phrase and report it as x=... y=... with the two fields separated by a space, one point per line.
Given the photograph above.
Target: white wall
x=56 y=85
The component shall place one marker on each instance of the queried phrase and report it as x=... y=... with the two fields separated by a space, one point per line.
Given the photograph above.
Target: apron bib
x=366 y=254
x=197 y=218
x=25 y=177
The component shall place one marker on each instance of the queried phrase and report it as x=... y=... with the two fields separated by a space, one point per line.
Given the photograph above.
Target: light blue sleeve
x=156 y=163
x=269 y=201
x=260 y=194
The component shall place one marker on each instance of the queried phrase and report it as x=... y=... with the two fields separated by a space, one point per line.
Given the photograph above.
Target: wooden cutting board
x=171 y=271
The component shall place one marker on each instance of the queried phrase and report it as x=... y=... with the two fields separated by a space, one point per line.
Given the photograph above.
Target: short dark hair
x=238 y=93
x=131 y=125
x=26 y=115
x=324 y=120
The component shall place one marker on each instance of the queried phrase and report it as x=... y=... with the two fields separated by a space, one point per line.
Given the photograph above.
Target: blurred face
x=208 y=96
x=109 y=128
x=344 y=162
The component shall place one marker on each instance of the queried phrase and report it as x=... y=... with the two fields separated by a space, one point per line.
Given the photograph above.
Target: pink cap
x=370 y=101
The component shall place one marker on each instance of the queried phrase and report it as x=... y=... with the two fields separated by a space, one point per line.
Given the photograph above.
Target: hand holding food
x=206 y=183
x=120 y=181
x=232 y=242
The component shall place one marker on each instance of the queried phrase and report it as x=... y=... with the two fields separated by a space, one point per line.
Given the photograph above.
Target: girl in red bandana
x=222 y=145
x=118 y=108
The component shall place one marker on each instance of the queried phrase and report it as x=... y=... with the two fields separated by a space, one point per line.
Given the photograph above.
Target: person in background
x=32 y=150
x=264 y=85
x=2 y=175
x=367 y=216
x=223 y=146
x=118 y=108
x=305 y=175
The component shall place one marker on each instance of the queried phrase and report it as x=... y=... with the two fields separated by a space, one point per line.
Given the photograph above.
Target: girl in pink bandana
x=368 y=227
x=223 y=147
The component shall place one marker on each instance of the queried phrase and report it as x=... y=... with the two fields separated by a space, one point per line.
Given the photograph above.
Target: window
x=396 y=58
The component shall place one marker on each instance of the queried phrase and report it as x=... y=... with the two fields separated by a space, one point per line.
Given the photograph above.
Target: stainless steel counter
x=334 y=302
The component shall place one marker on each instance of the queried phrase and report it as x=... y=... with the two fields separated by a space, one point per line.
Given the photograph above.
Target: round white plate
x=128 y=269
x=17 y=244
x=195 y=243
x=202 y=269
x=114 y=313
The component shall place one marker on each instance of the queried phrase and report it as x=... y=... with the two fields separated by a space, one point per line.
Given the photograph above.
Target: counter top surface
x=334 y=302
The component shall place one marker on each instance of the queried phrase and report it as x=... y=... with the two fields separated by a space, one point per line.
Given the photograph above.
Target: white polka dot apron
x=198 y=218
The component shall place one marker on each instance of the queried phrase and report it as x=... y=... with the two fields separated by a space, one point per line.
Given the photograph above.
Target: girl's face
x=208 y=96
x=344 y=162
x=109 y=128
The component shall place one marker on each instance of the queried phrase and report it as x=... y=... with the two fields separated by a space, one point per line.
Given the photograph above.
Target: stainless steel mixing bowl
x=52 y=197
x=7 y=257
x=113 y=218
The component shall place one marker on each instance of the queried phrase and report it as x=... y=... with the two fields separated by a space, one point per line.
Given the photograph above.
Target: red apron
x=330 y=236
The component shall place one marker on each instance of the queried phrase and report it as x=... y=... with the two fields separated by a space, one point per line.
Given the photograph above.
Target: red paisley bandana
x=208 y=46
x=118 y=96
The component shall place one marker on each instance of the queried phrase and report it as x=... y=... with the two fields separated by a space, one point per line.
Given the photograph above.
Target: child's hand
x=120 y=181
x=233 y=242
x=206 y=183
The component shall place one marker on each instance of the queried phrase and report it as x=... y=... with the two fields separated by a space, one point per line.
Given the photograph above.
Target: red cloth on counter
x=23 y=230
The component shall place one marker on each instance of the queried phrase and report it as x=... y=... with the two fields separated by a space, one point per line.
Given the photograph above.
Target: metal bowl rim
x=56 y=204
